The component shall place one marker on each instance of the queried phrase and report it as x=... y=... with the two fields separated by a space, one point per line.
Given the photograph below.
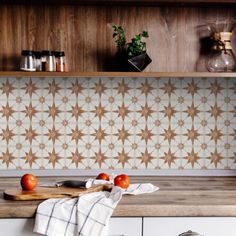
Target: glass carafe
x=221 y=58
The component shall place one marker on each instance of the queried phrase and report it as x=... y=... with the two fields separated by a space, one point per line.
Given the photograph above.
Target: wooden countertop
x=178 y=196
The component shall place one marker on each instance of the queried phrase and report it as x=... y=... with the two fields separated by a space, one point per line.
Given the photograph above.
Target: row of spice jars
x=43 y=61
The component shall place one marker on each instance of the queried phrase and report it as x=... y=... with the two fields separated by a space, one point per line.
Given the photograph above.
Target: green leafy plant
x=120 y=38
x=134 y=48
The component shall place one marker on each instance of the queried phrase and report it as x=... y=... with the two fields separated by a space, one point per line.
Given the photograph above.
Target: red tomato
x=122 y=181
x=103 y=176
x=28 y=182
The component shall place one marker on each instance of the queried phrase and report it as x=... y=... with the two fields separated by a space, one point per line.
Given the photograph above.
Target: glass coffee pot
x=221 y=58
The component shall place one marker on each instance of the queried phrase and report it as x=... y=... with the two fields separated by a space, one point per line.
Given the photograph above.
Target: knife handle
x=74 y=184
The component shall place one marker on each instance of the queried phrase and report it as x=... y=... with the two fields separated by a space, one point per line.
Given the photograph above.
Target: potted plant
x=131 y=56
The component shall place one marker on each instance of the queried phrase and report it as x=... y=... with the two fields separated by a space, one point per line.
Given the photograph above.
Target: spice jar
x=27 y=60
x=38 y=64
x=60 y=61
x=48 y=61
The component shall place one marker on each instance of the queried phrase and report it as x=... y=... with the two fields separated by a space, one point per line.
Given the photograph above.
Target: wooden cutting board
x=41 y=193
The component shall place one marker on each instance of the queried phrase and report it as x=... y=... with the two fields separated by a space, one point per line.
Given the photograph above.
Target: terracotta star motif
x=30 y=158
x=7 y=158
x=234 y=157
x=76 y=111
x=30 y=134
x=169 y=134
x=123 y=111
x=169 y=88
x=123 y=88
x=53 y=158
x=123 y=158
x=146 y=158
x=169 y=158
x=76 y=88
x=53 y=111
x=76 y=158
x=234 y=134
x=99 y=111
x=30 y=88
x=30 y=111
x=233 y=111
x=192 y=111
x=215 y=88
x=53 y=88
x=7 y=88
x=215 y=111
x=7 y=111
x=215 y=134
x=192 y=88
x=169 y=111
x=192 y=158
x=192 y=134
x=215 y=158
x=146 y=88
x=233 y=88
x=122 y=134
x=99 y=88
x=146 y=111
x=76 y=134
x=99 y=134
x=145 y=134
x=100 y=158
x=7 y=134
x=53 y=134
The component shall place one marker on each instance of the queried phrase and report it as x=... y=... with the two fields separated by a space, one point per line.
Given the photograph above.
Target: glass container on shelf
x=48 y=61
x=216 y=54
x=38 y=63
x=27 y=61
x=60 y=61
x=221 y=58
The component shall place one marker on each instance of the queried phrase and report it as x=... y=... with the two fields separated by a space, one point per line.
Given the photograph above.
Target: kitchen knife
x=69 y=184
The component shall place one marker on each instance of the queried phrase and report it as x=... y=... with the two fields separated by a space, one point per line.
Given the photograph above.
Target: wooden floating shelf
x=115 y=74
x=124 y=2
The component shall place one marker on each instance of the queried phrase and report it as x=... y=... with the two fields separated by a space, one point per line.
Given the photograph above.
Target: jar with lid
x=221 y=58
x=27 y=61
x=38 y=63
x=48 y=61
x=60 y=61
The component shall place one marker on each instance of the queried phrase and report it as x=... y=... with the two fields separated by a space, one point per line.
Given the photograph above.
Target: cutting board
x=41 y=193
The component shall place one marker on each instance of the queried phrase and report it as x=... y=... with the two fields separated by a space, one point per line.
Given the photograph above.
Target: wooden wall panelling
x=83 y=32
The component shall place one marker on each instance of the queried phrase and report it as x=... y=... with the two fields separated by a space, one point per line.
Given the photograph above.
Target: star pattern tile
x=129 y=123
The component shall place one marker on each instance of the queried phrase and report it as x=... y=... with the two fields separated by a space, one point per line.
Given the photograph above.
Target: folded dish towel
x=87 y=215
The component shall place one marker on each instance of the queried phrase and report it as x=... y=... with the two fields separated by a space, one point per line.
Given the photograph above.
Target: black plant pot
x=140 y=62
x=122 y=63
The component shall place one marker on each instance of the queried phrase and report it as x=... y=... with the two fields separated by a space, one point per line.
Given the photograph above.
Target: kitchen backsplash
x=131 y=123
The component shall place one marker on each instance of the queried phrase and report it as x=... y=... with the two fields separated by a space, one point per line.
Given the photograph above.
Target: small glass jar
x=60 y=61
x=38 y=63
x=27 y=61
x=221 y=58
x=48 y=61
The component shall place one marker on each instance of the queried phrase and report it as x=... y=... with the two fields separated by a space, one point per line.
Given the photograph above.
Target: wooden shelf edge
x=115 y=74
x=216 y=3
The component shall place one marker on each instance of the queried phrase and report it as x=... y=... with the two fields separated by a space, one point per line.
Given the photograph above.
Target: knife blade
x=69 y=184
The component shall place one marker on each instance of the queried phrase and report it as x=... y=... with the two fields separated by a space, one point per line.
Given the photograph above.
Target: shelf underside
x=126 y=2
x=116 y=74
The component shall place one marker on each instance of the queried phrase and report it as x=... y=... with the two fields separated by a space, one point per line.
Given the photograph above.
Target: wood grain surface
x=42 y=193
x=42 y=75
x=126 y=2
x=85 y=33
x=178 y=196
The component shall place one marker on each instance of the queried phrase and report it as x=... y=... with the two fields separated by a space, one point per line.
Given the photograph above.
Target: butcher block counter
x=177 y=196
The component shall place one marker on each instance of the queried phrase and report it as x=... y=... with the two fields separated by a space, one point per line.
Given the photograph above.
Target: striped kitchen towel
x=87 y=215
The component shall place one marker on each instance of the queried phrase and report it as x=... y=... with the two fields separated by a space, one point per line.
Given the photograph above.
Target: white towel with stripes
x=87 y=215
